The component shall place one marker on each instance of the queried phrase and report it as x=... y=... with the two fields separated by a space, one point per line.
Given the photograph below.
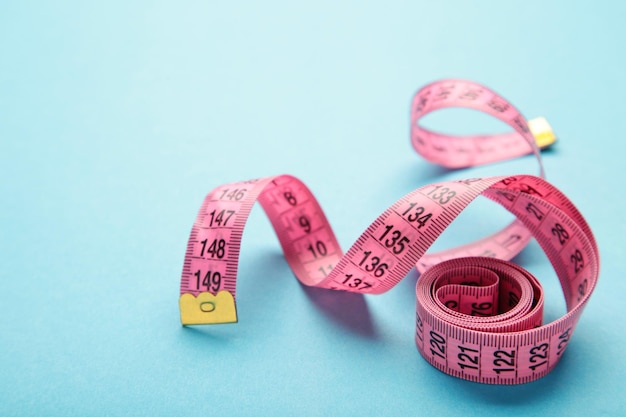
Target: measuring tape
x=478 y=316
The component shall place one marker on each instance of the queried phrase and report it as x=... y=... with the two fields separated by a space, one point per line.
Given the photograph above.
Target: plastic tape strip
x=478 y=316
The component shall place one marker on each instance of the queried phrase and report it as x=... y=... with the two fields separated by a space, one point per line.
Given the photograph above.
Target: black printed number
x=220 y=218
x=559 y=231
x=468 y=358
x=582 y=289
x=394 y=240
x=481 y=309
x=216 y=249
x=531 y=208
x=236 y=194
x=374 y=265
x=538 y=356
x=577 y=259
x=563 y=341
x=504 y=361
x=441 y=194
x=318 y=250
x=304 y=223
x=211 y=280
x=437 y=345
x=416 y=214
x=357 y=283
x=290 y=198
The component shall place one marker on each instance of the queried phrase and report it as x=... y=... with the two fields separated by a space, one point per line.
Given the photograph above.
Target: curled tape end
x=541 y=130
x=207 y=308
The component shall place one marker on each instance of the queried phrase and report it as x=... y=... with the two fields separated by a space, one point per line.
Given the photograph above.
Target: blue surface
x=117 y=119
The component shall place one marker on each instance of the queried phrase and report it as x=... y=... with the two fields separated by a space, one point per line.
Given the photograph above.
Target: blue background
x=116 y=119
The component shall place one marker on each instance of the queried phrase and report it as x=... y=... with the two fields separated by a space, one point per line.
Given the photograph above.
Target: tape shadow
x=348 y=310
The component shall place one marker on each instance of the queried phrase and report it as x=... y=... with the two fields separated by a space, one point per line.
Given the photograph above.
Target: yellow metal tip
x=207 y=308
x=541 y=130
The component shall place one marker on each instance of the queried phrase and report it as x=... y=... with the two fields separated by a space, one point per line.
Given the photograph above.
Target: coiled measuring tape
x=478 y=316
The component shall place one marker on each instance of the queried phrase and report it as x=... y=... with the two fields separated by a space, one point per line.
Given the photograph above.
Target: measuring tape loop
x=465 y=151
x=478 y=316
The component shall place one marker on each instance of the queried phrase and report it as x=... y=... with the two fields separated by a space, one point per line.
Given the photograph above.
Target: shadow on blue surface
x=205 y=333
x=348 y=310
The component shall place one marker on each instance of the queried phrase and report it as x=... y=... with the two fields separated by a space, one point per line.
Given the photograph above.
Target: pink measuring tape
x=478 y=316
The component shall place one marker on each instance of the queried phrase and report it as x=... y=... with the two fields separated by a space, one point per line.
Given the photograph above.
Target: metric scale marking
x=484 y=332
